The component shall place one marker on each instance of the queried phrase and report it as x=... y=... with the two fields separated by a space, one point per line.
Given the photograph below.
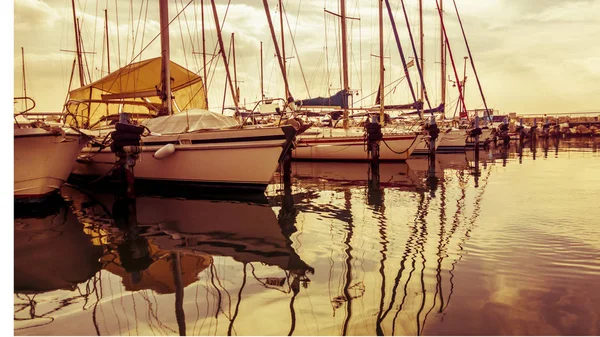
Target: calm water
x=506 y=245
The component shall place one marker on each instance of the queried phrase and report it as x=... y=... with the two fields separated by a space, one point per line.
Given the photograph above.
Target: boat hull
x=353 y=147
x=43 y=160
x=423 y=147
x=238 y=159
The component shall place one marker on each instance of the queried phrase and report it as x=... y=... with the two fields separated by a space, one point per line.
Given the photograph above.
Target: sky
x=532 y=57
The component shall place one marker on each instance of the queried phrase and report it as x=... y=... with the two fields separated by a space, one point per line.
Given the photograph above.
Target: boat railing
x=24 y=111
x=269 y=101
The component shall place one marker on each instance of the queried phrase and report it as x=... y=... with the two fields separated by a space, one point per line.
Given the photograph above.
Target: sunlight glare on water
x=507 y=245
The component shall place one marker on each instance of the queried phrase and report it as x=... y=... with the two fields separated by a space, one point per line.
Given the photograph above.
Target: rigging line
x=400 y=50
x=182 y=41
x=129 y=25
x=149 y=43
x=137 y=29
x=416 y=59
x=326 y=54
x=144 y=30
x=191 y=41
x=225 y=88
x=413 y=265
x=222 y=25
x=237 y=306
x=95 y=34
x=471 y=59
x=212 y=280
x=373 y=93
x=296 y=49
x=118 y=36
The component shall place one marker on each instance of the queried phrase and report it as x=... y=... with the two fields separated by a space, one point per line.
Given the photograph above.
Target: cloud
x=529 y=54
x=33 y=15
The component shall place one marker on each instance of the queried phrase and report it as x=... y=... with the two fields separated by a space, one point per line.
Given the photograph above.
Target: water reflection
x=333 y=249
x=52 y=253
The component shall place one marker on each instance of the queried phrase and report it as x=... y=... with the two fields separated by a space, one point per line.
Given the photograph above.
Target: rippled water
x=509 y=244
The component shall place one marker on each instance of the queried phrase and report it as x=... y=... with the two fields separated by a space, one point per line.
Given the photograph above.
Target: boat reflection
x=174 y=248
x=52 y=253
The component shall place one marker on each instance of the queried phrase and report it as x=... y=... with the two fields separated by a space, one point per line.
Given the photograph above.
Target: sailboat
x=350 y=143
x=45 y=153
x=185 y=143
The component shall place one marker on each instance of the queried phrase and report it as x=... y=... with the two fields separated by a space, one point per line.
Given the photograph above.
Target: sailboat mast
x=443 y=63
x=281 y=64
x=222 y=49
x=107 y=44
x=287 y=88
x=346 y=89
x=204 y=52
x=262 y=88
x=471 y=58
x=163 y=6
x=237 y=89
x=421 y=48
x=77 y=46
x=381 y=78
x=399 y=45
x=460 y=95
x=24 y=82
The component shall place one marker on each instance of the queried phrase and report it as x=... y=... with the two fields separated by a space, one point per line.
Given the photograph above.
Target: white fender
x=164 y=151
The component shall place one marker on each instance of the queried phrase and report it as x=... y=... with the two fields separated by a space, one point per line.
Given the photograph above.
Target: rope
x=386 y=144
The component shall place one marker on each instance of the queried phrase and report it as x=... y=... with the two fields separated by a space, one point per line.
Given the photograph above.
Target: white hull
x=43 y=160
x=458 y=139
x=235 y=158
x=351 y=145
x=454 y=140
x=423 y=147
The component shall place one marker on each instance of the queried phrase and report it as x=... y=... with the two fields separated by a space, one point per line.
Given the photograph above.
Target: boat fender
x=164 y=151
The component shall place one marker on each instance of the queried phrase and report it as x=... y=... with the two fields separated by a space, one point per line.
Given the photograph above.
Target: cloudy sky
x=532 y=56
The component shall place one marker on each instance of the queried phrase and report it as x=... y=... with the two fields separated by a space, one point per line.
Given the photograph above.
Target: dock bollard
x=126 y=146
x=374 y=137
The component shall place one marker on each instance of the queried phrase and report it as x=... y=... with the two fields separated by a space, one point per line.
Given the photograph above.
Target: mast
x=24 y=82
x=237 y=89
x=443 y=63
x=222 y=50
x=395 y=30
x=179 y=313
x=421 y=48
x=472 y=62
x=166 y=56
x=287 y=88
x=78 y=47
x=464 y=82
x=204 y=53
x=460 y=95
x=262 y=89
x=345 y=84
x=107 y=45
x=281 y=64
x=381 y=79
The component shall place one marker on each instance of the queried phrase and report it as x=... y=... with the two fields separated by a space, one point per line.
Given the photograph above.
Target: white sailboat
x=44 y=156
x=197 y=146
x=351 y=142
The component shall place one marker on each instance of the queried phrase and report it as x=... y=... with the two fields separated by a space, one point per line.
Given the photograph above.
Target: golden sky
x=532 y=56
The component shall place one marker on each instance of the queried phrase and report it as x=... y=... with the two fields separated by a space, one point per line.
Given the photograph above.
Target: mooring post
x=126 y=146
x=521 y=132
x=374 y=137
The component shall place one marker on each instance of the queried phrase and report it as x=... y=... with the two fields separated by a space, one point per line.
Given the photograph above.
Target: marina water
x=506 y=245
